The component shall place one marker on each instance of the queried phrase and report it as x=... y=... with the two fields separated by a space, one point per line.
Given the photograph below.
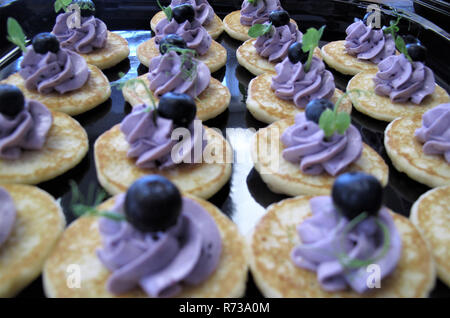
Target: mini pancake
x=66 y=145
x=250 y=59
x=115 y=50
x=335 y=55
x=210 y=103
x=79 y=243
x=214 y=28
x=282 y=176
x=116 y=172
x=234 y=28
x=276 y=275
x=94 y=92
x=265 y=106
x=430 y=213
x=381 y=107
x=215 y=58
x=407 y=156
x=39 y=223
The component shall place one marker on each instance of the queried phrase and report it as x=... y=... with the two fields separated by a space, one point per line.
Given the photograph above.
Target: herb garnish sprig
x=332 y=121
x=16 y=34
x=82 y=206
x=393 y=29
x=167 y=10
x=258 y=30
x=310 y=41
x=62 y=4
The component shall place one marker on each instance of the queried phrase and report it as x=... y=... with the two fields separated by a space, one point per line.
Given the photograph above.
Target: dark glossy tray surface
x=245 y=197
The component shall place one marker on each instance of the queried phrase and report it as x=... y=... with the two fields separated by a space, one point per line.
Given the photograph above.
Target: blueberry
x=87 y=7
x=374 y=20
x=153 y=204
x=296 y=54
x=411 y=39
x=417 y=52
x=183 y=12
x=178 y=107
x=279 y=18
x=12 y=101
x=45 y=42
x=316 y=107
x=171 y=40
x=357 y=192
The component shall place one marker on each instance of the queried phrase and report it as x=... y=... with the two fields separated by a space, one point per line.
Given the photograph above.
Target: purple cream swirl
x=368 y=44
x=169 y=73
x=402 y=80
x=325 y=237
x=258 y=13
x=275 y=44
x=193 y=33
x=62 y=72
x=294 y=84
x=305 y=143
x=161 y=263
x=204 y=13
x=91 y=35
x=152 y=144
x=8 y=215
x=27 y=131
x=435 y=131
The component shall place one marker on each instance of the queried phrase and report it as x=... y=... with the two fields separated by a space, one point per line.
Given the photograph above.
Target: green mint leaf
x=167 y=10
x=401 y=47
x=310 y=41
x=58 y=6
x=326 y=122
x=16 y=34
x=342 y=122
x=258 y=30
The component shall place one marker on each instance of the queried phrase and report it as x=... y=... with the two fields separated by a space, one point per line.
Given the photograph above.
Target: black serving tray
x=245 y=197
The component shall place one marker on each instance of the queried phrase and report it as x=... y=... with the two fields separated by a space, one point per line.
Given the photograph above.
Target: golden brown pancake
x=275 y=274
x=210 y=103
x=214 y=28
x=265 y=106
x=431 y=214
x=215 y=58
x=66 y=145
x=381 y=107
x=115 y=50
x=407 y=156
x=79 y=243
x=234 y=28
x=250 y=59
x=116 y=172
x=39 y=223
x=282 y=176
x=93 y=93
x=335 y=55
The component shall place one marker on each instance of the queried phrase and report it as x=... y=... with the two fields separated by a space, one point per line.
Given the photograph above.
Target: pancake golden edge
x=249 y=58
x=407 y=156
x=116 y=172
x=430 y=213
x=274 y=237
x=214 y=28
x=335 y=55
x=215 y=58
x=115 y=51
x=381 y=107
x=282 y=176
x=234 y=28
x=39 y=223
x=265 y=106
x=66 y=145
x=94 y=92
x=80 y=241
x=213 y=101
